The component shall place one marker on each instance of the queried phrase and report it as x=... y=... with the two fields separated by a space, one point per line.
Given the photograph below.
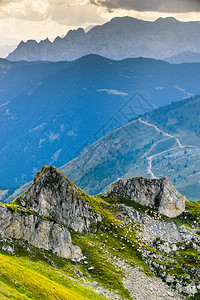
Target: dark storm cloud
x=167 y=6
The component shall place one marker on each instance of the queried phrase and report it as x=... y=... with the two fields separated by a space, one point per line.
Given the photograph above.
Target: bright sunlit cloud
x=38 y=19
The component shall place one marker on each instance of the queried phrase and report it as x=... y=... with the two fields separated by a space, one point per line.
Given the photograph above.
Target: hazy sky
x=38 y=19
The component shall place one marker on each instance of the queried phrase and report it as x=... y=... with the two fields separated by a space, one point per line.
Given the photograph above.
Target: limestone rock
x=52 y=195
x=159 y=194
x=37 y=232
x=42 y=216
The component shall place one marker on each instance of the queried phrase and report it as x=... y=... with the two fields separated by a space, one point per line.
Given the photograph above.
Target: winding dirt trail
x=169 y=136
x=161 y=131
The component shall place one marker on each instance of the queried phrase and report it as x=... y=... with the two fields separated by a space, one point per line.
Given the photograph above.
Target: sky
x=39 y=19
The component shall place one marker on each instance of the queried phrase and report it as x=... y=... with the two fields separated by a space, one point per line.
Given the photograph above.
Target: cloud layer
x=167 y=6
x=68 y=12
x=38 y=19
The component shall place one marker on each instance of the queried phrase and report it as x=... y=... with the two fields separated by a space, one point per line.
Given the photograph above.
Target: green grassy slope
x=26 y=278
x=36 y=274
x=181 y=119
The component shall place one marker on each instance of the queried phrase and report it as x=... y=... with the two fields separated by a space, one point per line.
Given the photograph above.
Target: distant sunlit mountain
x=118 y=39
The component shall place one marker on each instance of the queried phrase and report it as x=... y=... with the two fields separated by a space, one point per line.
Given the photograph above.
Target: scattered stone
x=79 y=273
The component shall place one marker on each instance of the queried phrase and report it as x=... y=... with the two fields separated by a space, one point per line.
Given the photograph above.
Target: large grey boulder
x=159 y=194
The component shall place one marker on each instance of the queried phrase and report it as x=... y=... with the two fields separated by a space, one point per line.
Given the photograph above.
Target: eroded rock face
x=42 y=216
x=159 y=194
x=52 y=195
x=37 y=232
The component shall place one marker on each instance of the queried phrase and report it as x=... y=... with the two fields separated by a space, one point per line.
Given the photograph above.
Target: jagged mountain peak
x=75 y=33
x=159 y=194
x=50 y=174
x=53 y=196
x=43 y=215
x=122 y=36
x=45 y=42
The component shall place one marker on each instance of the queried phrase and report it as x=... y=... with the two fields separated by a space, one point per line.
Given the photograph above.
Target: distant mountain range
x=118 y=39
x=50 y=112
x=184 y=57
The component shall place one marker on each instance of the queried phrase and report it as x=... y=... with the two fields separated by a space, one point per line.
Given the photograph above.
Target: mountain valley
x=164 y=142
x=50 y=112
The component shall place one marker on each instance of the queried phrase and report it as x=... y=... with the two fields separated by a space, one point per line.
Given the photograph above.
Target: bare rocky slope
x=120 y=245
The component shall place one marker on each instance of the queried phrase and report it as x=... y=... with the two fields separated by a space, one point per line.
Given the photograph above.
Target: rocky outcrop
x=159 y=194
x=37 y=232
x=52 y=195
x=168 y=242
x=42 y=216
x=52 y=205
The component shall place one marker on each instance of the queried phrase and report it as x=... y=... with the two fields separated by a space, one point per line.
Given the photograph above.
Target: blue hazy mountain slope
x=64 y=110
x=171 y=149
x=163 y=142
x=17 y=78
